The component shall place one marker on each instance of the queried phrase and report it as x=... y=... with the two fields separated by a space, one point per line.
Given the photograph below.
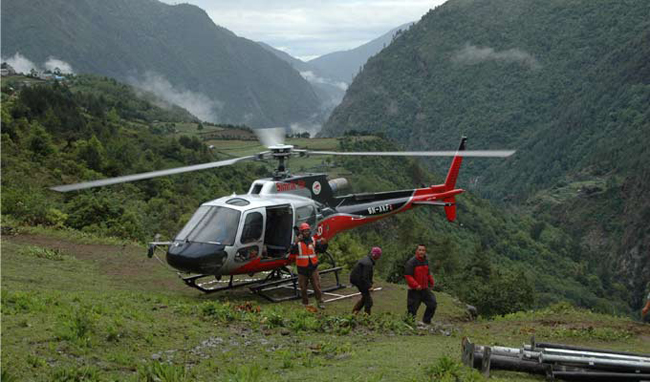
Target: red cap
x=304 y=226
x=376 y=251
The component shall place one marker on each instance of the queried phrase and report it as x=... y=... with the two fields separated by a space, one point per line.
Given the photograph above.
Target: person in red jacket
x=420 y=282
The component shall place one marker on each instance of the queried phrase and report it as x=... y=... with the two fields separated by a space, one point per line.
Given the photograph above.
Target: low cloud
x=471 y=55
x=313 y=78
x=198 y=104
x=311 y=128
x=20 y=63
x=53 y=63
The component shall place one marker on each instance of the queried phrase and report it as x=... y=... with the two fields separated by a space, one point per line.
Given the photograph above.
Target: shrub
x=447 y=370
x=162 y=372
x=76 y=374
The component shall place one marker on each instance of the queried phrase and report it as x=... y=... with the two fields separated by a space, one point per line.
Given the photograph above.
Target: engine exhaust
x=338 y=184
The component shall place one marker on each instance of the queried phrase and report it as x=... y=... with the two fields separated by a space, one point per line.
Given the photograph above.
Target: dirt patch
x=104 y=255
x=122 y=263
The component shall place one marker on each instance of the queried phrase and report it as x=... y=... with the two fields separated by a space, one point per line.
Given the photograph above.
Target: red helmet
x=304 y=226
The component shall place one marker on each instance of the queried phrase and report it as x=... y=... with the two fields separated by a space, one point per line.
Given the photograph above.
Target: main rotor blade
x=463 y=153
x=271 y=137
x=148 y=175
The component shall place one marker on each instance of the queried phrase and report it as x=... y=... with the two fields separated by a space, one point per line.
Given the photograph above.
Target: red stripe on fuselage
x=260 y=265
x=334 y=224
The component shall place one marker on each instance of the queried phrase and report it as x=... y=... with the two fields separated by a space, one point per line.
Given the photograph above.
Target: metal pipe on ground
x=568 y=364
x=580 y=353
x=571 y=347
x=500 y=350
x=595 y=362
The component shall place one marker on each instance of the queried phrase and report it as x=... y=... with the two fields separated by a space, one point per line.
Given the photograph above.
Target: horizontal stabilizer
x=442 y=204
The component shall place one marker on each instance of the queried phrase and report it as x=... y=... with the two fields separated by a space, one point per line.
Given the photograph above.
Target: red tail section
x=450 y=182
x=452 y=175
x=450 y=209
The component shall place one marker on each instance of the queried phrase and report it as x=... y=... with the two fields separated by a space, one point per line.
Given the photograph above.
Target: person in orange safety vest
x=306 y=248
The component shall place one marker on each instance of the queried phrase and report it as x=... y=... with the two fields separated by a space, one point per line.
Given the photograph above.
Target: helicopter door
x=277 y=238
x=252 y=233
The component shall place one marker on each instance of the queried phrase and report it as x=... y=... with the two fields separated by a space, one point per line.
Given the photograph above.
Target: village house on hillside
x=7 y=70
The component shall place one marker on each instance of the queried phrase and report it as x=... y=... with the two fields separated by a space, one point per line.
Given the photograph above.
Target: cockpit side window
x=306 y=214
x=252 y=228
x=257 y=188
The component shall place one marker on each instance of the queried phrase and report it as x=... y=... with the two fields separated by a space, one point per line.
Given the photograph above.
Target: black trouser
x=415 y=297
x=365 y=302
x=304 y=277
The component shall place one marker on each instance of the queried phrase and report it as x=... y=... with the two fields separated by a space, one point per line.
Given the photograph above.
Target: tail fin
x=450 y=209
x=452 y=175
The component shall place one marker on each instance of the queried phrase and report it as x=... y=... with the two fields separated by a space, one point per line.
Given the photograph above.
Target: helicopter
x=250 y=233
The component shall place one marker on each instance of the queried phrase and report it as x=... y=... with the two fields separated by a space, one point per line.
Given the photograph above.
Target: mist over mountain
x=331 y=74
x=166 y=48
x=344 y=65
x=564 y=83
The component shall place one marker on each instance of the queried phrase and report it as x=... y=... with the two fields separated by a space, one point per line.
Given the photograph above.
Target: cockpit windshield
x=209 y=224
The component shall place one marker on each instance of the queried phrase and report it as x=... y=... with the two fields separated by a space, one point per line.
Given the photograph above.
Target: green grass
x=13 y=81
x=103 y=312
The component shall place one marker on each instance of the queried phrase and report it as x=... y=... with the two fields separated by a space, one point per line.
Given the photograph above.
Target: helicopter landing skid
x=292 y=283
x=279 y=279
x=212 y=286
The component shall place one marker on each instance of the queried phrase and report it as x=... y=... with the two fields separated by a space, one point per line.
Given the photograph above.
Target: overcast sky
x=310 y=28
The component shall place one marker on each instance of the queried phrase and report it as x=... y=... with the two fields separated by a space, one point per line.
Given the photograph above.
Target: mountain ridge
x=128 y=39
x=563 y=83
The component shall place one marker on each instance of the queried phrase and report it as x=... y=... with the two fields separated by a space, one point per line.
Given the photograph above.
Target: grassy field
x=563 y=193
x=81 y=308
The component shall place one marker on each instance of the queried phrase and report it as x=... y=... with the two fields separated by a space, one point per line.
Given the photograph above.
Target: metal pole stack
x=558 y=361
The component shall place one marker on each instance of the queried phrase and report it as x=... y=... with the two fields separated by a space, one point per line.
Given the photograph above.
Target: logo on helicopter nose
x=316 y=187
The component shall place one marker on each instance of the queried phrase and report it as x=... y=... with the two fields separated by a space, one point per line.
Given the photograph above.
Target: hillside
x=171 y=48
x=89 y=128
x=108 y=313
x=78 y=288
x=564 y=83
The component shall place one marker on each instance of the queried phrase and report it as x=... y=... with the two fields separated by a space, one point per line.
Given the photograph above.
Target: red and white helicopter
x=251 y=233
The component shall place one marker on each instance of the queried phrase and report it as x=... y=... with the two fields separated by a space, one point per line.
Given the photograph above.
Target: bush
x=346 y=250
x=75 y=374
x=446 y=369
x=395 y=273
x=162 y=372
x=500 y=293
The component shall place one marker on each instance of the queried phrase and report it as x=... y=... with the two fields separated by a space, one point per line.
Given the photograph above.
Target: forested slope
x=91 y=127
x=564 y=83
